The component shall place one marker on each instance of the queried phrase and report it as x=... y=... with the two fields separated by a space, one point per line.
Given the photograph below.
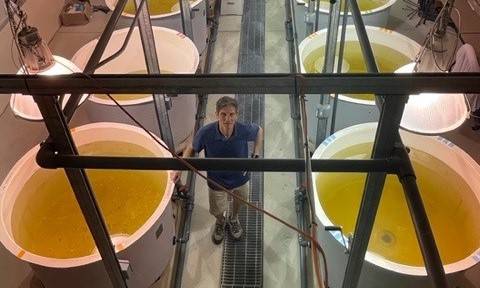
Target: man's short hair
x=226 y=101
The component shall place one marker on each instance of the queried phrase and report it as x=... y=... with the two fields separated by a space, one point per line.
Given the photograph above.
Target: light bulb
x=25 y=107
x=432 y=113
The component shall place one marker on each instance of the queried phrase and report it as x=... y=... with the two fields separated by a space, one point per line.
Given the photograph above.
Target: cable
x=214 y=183
x=432 y=42
x=311 y=237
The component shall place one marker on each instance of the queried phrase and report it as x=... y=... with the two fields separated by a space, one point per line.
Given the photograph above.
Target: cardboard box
x=76 y=12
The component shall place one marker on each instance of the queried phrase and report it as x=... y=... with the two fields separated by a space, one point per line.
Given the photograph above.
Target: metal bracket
x=323 y=111
x=347 y=244
x=126 y=268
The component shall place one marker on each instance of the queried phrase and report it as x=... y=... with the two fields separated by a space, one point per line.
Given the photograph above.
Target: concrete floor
x=203 y=261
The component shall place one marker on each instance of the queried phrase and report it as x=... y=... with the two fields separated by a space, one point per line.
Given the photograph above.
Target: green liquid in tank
x=127 y=97
x=47 y=220
x=451 y=206
x=388 y=60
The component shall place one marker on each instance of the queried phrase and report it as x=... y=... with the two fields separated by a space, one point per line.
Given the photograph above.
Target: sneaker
x=218 y=232
x=236 y=230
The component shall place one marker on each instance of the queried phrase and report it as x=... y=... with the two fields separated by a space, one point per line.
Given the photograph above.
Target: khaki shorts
x=218 y=199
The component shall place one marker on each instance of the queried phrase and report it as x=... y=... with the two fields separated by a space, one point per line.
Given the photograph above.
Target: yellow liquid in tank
x=388 y=60
x=127 y=97
x=47 y=220
x=155 y=7
x=362 y=4
x=452 y=209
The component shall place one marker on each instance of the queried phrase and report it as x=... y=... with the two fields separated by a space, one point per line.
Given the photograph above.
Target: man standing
x=226 y=138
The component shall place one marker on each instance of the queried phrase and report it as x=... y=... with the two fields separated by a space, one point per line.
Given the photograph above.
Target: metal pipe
x=277 y=84
x=50 y=159
x=305 y=273
x=186 y=212
x=323 y=110
x=295 y=38
x=340 y=62
x=332 y=35
x=317 y=14
x=125 y=42
x=186 y=215
x=186 y=18
x=151 y=60
x=425 y=237
x=387 y=134
x=97 y=53
x=309 y=10
x=390 y=116
x=363 y=37
x=62 y=141
x=322 y=280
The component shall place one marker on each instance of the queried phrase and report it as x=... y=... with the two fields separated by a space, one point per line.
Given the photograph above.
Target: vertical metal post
x=309 y=11
x=188 y=204
x=332 y=34
x=62 y=142
x=323 y=110
x=97 y=53
x=185 y=12
x=317 y=14
x=340 y=62
x=151 y=60
x=301 y=208
x=385 y=140
x=423 y=230
x=390 y=116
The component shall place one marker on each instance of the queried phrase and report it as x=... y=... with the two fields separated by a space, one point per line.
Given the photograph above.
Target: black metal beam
x=245 y=83
x=423 y=230
x=96 y=56
x=47 y=159
x=151 y=61
x=387 y=141
x=62 y=141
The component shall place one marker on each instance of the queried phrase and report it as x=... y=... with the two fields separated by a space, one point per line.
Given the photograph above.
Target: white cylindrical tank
x=351 y=109
x=374 y=13
x=147 y=245
x=449 y=182
x=176 y=54
x=170 y=17
x=24 y=106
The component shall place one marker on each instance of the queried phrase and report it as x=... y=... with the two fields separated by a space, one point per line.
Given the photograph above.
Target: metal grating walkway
x=242 y=263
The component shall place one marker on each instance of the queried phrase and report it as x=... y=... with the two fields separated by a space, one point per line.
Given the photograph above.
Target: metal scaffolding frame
x=389 y=154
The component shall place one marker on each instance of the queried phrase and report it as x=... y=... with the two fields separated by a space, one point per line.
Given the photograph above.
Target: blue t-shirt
x=210 y=139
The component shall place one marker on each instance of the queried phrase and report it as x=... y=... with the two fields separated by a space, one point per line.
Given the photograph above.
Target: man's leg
x=236 y=229
x=218 y=205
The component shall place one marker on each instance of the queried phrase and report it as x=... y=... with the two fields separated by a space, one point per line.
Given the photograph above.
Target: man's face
x=227 y=116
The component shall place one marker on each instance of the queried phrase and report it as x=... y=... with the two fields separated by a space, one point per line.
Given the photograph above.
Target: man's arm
x=258 y=144
x=187 y=152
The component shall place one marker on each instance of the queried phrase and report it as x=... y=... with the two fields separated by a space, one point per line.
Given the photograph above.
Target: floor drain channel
x=242 y=263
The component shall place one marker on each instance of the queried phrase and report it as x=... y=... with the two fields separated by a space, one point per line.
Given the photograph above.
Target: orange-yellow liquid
x=388 y=60
x=47 y=220
x=364 y=5
x=453 y=210
x=155 y=7
x=127 y=97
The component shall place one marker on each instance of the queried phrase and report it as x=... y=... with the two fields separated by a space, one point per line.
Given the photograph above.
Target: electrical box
x=232 y=7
